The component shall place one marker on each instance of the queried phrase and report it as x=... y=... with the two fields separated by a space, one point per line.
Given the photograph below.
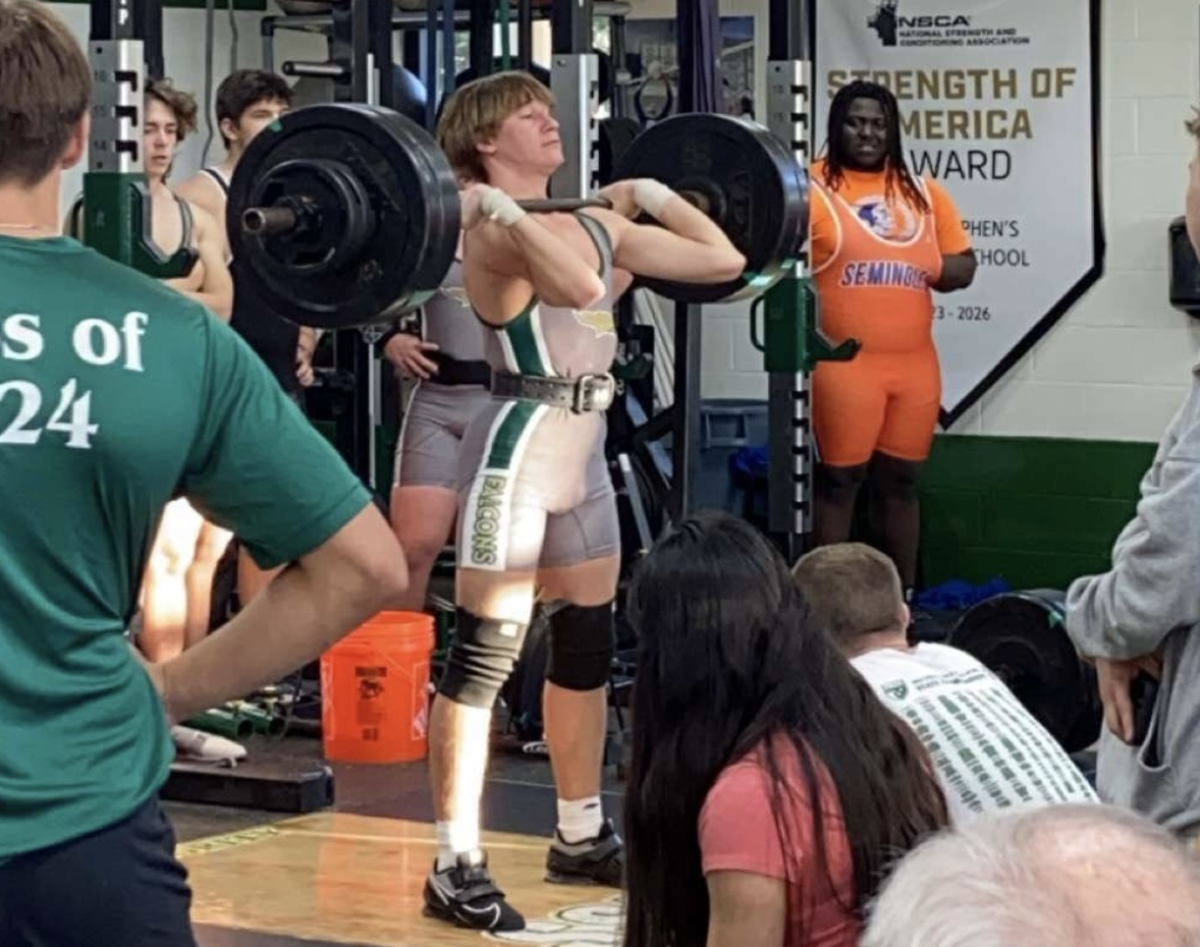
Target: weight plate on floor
x=1020 y=637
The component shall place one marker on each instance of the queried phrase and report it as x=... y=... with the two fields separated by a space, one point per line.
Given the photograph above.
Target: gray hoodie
x=1150 y=602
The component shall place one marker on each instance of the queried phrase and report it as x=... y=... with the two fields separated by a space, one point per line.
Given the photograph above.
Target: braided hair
x=897 y=172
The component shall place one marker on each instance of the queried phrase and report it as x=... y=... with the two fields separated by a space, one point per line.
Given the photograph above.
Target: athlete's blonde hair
x=475 y=112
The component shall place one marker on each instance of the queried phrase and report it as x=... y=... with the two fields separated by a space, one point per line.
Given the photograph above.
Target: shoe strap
x=472 y=883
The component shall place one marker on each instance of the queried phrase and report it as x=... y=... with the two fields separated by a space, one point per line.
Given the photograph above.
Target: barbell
x=348 y=215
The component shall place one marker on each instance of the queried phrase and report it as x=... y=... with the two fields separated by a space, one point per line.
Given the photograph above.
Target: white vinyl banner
x=997 y=101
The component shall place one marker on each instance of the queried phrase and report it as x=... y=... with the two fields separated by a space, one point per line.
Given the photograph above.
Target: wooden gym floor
x=354 y=874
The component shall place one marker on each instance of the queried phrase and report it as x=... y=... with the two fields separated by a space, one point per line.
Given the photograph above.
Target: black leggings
x=119 y=887
x=895 y=512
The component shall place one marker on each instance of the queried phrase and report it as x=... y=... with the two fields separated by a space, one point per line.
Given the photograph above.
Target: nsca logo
x=886 y=21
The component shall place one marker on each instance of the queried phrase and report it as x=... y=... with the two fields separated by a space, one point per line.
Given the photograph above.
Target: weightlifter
x=883 y=241
x=539 y=515
x=447 y=359
x=118 y=393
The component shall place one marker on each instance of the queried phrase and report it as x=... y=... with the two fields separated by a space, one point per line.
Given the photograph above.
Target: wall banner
x=999 y=101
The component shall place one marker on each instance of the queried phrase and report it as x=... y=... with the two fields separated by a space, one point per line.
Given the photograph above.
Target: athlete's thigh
x=178 y=535
x=848 y=402
x=423 y=518
x=428 y=447
x=913 y=407
x=497 y=559
x=581 y=556
x=211 y=542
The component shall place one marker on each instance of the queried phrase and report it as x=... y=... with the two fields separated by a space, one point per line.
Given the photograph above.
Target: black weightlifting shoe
x=465 y=895
x=594 y=861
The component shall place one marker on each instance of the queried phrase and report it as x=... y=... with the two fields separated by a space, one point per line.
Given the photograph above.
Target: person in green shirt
x=118 y=394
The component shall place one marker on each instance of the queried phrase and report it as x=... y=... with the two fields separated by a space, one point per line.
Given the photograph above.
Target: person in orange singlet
x=882 y=242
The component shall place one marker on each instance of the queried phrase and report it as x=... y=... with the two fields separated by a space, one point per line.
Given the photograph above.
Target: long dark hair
x=896 y=172
x=730 y=664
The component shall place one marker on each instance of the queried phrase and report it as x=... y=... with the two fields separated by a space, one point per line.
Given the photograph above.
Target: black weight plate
x=616 y=135
x=411 y=189
x=1020 y=637
x=762 y=189
x=444 y=217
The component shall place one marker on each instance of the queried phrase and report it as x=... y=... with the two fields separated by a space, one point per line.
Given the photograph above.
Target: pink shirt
x=738 y=833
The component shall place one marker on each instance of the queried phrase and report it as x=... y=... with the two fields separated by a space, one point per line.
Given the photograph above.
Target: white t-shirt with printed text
x=989 y=751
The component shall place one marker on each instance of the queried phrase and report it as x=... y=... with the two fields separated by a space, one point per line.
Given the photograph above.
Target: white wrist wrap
x=498 y=206
x=651 y=196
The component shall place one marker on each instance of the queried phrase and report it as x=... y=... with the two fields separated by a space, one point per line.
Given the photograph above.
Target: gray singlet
x=437 y=416
x=535 y=487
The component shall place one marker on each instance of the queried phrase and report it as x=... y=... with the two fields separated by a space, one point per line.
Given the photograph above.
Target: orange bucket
x=375 y=691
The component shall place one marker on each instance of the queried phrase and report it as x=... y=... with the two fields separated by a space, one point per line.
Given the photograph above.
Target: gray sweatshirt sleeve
x=1154 y=584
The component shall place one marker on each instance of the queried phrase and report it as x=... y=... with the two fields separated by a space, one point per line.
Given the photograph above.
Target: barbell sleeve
x=265 y=221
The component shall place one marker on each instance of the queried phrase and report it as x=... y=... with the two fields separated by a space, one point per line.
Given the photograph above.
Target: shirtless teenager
x=176 y=222
x=539 y=516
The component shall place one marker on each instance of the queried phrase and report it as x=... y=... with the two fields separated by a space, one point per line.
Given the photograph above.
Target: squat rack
x=360 y=64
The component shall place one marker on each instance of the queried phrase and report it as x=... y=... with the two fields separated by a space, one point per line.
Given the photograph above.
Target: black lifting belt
x=453 y=371
x=580 y=395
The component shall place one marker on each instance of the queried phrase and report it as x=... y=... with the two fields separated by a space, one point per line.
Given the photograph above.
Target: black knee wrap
x=481 y=659
x=581 y=646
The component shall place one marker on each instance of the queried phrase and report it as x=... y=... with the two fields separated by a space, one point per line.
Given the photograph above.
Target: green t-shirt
x=117 y=394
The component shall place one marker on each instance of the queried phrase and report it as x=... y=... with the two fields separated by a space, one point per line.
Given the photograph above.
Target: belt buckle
x=587 y=388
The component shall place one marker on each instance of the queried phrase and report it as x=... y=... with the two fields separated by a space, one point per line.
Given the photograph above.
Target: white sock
x=453 y=838
x=580 y=819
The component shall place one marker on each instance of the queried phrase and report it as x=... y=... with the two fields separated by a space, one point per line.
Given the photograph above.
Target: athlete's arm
x=305 y=609
x=510 y=256
x=216 y=292
x=202 y=191
x=306 y=347
x=958 y=258
x=685 y=245
x=958 y=272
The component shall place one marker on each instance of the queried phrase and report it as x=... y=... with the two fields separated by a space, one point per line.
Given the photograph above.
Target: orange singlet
x=874 y=257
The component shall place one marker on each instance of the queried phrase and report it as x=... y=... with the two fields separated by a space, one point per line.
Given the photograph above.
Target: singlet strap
x=219 y=178
x=75 y=220
x=189 y=223
x=599 y=234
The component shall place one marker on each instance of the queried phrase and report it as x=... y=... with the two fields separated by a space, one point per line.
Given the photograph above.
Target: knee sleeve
x=482 y=658
x=582 y=645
